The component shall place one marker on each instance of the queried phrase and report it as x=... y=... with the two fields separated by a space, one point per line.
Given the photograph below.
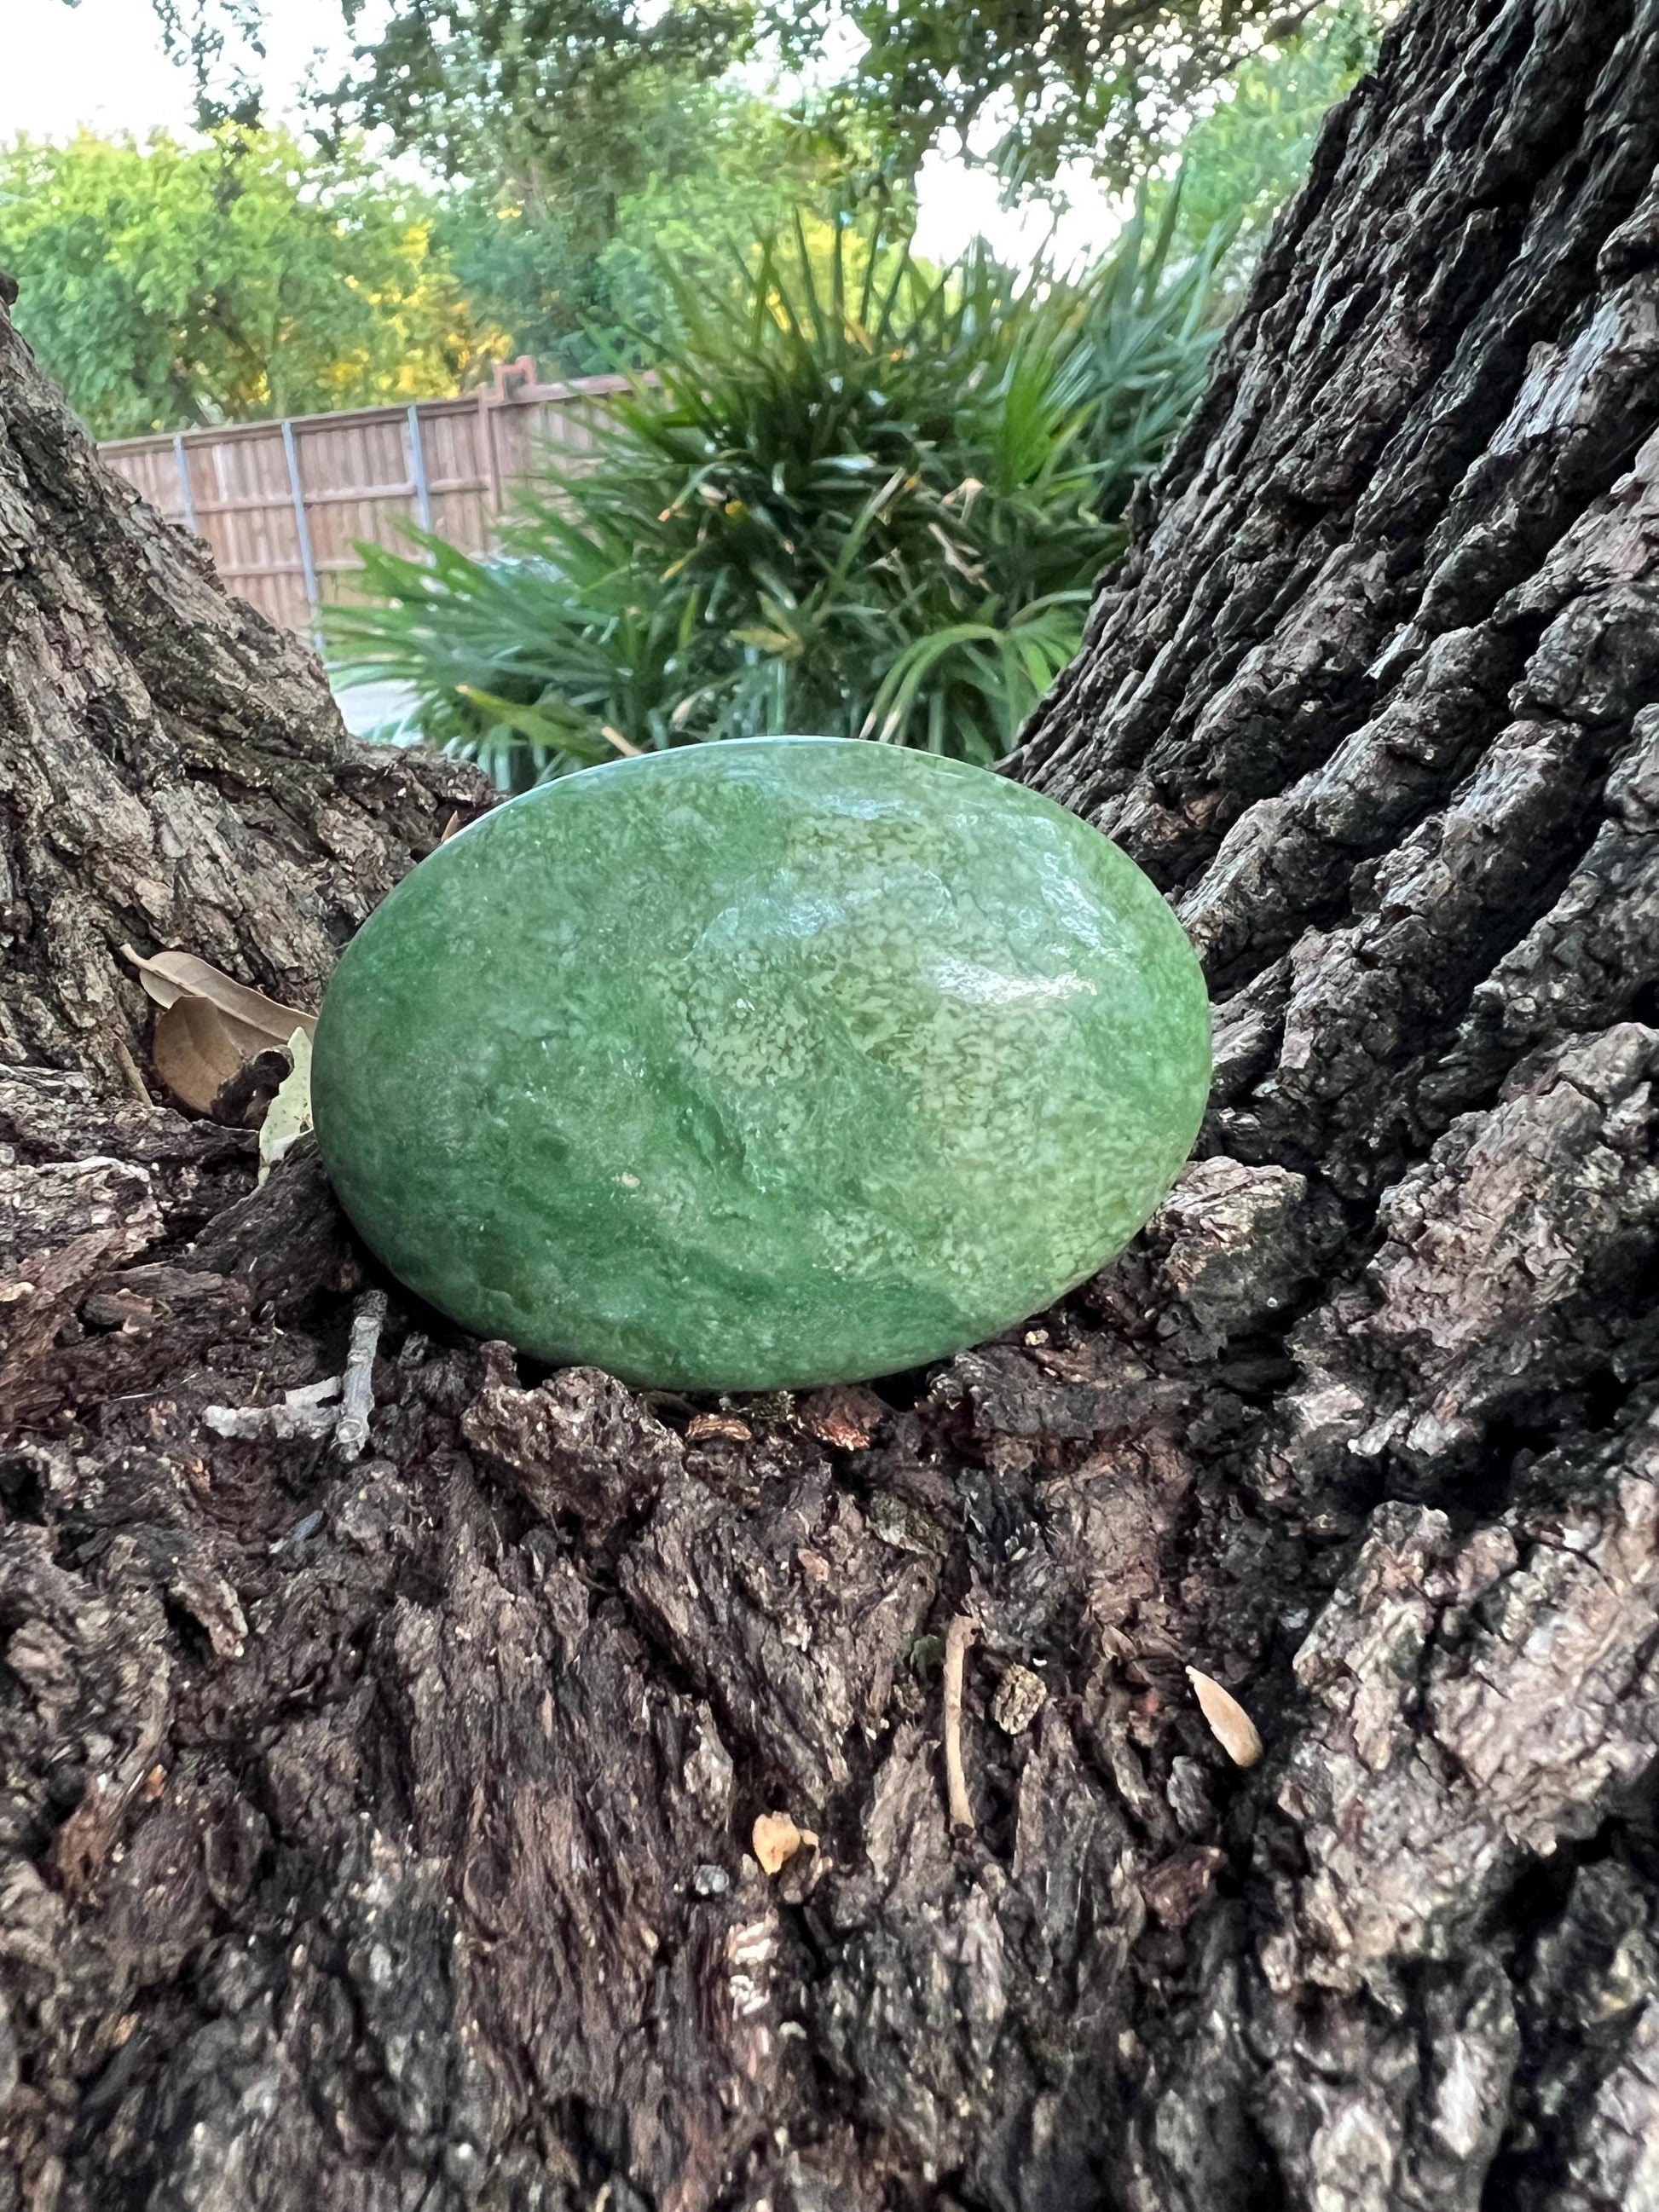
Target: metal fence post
x=301 y=522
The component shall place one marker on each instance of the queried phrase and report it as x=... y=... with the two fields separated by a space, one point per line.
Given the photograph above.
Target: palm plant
x=855 y=496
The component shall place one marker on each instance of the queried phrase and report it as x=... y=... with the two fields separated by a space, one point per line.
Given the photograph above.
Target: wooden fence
x=282 y=504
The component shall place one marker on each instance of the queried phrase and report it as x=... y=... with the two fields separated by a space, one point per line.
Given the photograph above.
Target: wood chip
x=959 y=1635
x=775 y=1841
x=845 y=1418
x=726 y=1428
x=1231 y=1726
x=1020 y=1696
x=285 y=1425
x=313 y=1394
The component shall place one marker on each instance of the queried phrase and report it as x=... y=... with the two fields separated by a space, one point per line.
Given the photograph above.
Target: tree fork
x=376 y=1835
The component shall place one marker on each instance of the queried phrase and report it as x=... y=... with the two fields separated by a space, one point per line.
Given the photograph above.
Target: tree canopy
x=165 y=284
x=545 y=94
x=1038 y=83
x=534 y=89
x=699 y=169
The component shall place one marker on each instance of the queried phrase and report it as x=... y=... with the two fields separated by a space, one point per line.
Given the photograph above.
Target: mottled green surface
x=761 y=1064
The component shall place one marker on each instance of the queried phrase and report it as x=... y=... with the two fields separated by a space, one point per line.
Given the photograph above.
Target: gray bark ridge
x=377 y=1834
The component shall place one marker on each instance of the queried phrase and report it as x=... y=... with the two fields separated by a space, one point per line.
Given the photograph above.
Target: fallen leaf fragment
x=1231 y=1726
x=289 y=1114
x=253 y=1020
x=775 y=1841
x=194 y=1051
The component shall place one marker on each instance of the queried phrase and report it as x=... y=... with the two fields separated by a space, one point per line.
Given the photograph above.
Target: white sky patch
x=101 y=64
x=956 y=204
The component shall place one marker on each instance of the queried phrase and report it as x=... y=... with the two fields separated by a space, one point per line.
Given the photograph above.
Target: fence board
x=358 y=481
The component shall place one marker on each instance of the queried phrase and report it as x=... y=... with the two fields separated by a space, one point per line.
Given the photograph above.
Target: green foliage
x=710 y=160
x=164 y=285
x=554 y=100
x=1042 y=82
x=582 y=138
x=856 y=498
x=1243 y=158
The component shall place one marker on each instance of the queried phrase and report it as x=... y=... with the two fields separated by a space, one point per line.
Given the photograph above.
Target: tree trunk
x=375 y=1833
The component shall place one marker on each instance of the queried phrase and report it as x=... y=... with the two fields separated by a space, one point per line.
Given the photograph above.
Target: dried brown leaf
x=1231 y=1725
x=725 y=1428
x=194 y=1051
x=775 y=1841
x=255 y=1022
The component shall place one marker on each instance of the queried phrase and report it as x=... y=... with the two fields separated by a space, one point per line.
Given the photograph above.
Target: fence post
x=417 y=465
x=181 y=462
x=301 y=522
x=492 y=474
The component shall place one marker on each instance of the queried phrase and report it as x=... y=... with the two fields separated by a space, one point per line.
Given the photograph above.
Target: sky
x=101 y=64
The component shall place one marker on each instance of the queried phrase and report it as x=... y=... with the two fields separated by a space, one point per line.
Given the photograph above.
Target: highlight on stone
x=761 y=1064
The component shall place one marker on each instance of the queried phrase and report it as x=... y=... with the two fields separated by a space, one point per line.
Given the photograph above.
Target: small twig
x=958 y=1636
x=357 y=1392
x=313 y=1394
x=284 y=1425
x=129 y=1068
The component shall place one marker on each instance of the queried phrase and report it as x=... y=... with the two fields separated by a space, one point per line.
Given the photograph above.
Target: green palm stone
x=761 y=1064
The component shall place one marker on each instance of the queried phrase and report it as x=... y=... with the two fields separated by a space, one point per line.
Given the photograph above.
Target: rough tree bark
x=374 y=1835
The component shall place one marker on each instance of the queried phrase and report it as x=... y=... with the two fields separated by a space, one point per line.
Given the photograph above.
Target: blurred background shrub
x=855 y=496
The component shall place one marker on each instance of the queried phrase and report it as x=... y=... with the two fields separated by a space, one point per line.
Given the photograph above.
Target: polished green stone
x=752 y=1065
